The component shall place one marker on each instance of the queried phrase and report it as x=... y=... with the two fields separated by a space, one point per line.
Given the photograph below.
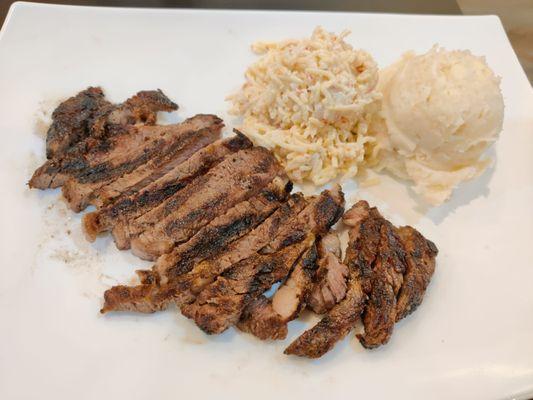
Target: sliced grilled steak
x=268 y=319
x=322 y=212
x=79 y=189
x=260 y=319
x=235 y=179
x=288 y=225
x=72 y=119
x=363 y=242
x=192 y=283
x=387 y=277
x=88 y=155
x=234 y=168
x=86 y=123
x=334 y=326
x=93 y=152
x=330 y=287
x=214 y=238
x=364 y=238
x=420 y=256
x=221 y=303
x=130 y=206
x=170 y=156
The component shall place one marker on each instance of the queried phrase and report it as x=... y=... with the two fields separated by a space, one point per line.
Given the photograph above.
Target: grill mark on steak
x=134 y=205
x=330 y=286
x=387 y=265
x=269 y=320
x=94 y=128
x=387 y=277
x=203 y=273
x=317 y=217
x=71 y=120
x=322 y=212
x=78 y=190
x=287 y=226
x=221 y=303
x=233 y=168
x=241 y=177
x=219 y=233
x=93 y=152
x=169 y=157
x=289 y=229
x=362 y=249
x=420 y=257
x=185 y=288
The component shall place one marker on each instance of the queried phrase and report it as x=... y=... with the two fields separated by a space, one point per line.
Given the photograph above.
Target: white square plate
x=470 y=339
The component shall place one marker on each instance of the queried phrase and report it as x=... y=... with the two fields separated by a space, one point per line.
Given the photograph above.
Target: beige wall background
x=517 y=18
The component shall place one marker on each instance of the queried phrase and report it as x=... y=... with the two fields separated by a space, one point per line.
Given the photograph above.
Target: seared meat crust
x=130 y=206
x=221 y=303
x=72 y=120
x=420 y=254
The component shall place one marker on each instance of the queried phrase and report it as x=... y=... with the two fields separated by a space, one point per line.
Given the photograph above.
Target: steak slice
x=387 y=277
x=268 y=320
x=260 y=319
x=321 y=213
x=169 y=157
x=79 y=189
x=91 y=151
x=236 y=179
x=130 y=206
x=213 y=238
x=334 y=326
x=86 y=155
x=319 y=216
x=420 y=256
x=364 y=238
x=330 y=287
x=190 y=284
x=71 y=120
x=221 y=303
x=96 y=151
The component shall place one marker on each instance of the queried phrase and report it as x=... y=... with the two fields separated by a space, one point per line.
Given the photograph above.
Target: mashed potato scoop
x=442 y=110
